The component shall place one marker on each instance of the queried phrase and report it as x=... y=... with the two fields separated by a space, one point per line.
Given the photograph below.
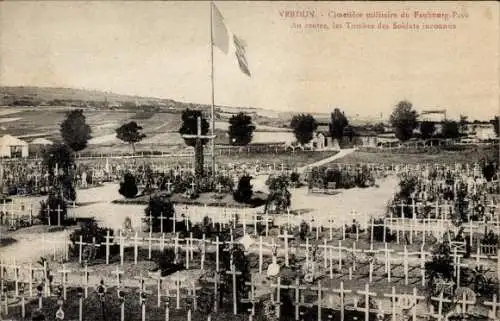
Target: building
x=13 y=147
x=41 y=142
x=433 y=115
x=436 y=116
x=482 y=131
x=38 y=145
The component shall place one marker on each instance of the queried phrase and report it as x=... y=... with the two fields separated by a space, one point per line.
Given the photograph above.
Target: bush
x=160 y=207
x=378 y=232
x=90 y=233
x=128 y=187
x=244 y=192
x=295 y=179
x=279 y=196
x=53 y=210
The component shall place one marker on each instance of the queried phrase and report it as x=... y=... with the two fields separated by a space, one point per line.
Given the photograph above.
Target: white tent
x=41 y=141
x=11 y=146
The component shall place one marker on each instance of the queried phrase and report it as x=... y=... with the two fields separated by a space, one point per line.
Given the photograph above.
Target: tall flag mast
x=222 y=38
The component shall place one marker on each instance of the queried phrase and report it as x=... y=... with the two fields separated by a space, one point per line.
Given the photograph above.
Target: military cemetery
x=127 y=207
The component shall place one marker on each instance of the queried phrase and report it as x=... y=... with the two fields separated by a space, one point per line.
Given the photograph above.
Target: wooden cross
x=107 y=244
x=393 y=296
x=59 y=210
x=198 y=135
x=136 y=240
x=402 y=206
x=251 y=295
x=48 y=213
x=80 y=244
x=465 y=302
x=174 y=221
x=118 y=274
x=168 y=186
x=405 y=263
x=217 y=243
x=277 y=301
x=285 y=236
x=234 y=273
x=495 y=305
x=441 y=300
x=64 y=273
x=341 y=291
x=367 y=295
x=86 y=274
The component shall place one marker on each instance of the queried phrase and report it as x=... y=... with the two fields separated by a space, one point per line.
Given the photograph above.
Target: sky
x=162 y=49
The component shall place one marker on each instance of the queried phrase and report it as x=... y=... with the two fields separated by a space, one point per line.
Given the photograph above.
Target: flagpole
x=212 y=132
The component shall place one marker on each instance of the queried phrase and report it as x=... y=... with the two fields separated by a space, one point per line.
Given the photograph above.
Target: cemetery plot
x=431 y=253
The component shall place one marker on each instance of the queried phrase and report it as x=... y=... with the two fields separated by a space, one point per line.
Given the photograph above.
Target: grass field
x=395 y=158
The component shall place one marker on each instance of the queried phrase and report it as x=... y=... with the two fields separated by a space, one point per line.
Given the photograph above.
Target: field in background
x=161 y=128
x=467 y=156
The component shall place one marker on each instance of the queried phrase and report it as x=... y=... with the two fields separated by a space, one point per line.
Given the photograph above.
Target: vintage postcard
x=249 y=160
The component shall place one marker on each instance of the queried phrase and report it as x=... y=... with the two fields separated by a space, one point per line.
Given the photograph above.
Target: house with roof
x=38 y=145
x=13 y=147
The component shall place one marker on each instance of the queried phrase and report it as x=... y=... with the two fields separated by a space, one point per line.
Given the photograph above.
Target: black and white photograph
x=249 y=160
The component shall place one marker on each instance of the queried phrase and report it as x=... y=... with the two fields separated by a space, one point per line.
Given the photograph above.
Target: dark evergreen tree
x=303 y=126
x=240 y=129
x=75 y=131
x=404 y=120
x=243 y=193
x=128 y=187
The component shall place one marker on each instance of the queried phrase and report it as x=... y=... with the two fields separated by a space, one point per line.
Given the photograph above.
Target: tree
x=75 y=131
x=243 y=193
x=130 y=133
x=450 y=129
x=279 y=195
x=338 y=121
x=496 y=125
x=427 y=129
x=190 y=127
x=128 y=187
x=240 y=129
x=59 y=155
x=404 y=120
x=303 y=126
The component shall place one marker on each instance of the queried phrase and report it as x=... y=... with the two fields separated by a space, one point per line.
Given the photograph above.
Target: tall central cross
x=198 y=150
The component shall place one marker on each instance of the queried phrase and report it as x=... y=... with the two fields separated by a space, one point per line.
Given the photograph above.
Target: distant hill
x=84 y=98
x=51 y=93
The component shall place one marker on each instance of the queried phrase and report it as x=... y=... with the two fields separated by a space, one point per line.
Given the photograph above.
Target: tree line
x=403 y=120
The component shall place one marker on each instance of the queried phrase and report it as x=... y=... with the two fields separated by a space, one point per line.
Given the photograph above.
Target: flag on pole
x=239 y=46
x=221 y=37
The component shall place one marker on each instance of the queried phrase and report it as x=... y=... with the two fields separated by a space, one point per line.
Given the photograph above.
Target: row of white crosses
x=191 y=245
x=399 y=301
x=411 y=300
